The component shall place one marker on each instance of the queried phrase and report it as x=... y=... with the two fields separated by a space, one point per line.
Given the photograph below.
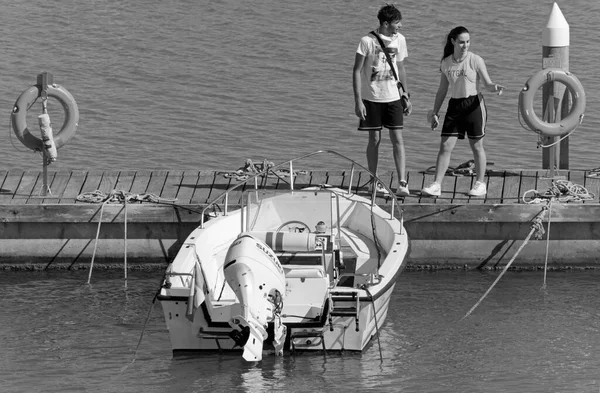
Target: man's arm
x=359 y=107
x=402 y=74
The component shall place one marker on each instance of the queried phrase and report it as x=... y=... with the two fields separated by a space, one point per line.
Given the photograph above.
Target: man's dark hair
x=389 y=13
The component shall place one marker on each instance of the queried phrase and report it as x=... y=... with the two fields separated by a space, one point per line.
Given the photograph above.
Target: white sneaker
x=479 y=189
x=381 y=189
x=402 y=190
x=434 y=189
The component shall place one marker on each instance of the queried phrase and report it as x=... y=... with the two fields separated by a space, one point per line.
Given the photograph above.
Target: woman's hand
x=496 y=88
x=433 y=119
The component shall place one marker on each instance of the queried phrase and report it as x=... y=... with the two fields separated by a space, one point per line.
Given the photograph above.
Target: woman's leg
x=480 y=158
x=443 y=159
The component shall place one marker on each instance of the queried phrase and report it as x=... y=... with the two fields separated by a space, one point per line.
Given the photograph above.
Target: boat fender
x=27 y=99
x=527 y=94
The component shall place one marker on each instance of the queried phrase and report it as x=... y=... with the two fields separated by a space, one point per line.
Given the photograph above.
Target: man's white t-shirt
x=378 y=83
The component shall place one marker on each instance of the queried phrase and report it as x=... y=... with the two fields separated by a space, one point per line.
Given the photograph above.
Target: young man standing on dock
x=378 y=71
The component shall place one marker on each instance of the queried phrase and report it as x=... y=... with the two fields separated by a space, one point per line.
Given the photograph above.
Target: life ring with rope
x=527 y=94
x=27 y=99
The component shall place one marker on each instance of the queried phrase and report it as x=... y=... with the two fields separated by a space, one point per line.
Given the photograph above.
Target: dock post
x=555 y=96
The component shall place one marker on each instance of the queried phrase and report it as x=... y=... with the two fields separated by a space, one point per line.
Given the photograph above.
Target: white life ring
x=571 y=121
x=24 y=102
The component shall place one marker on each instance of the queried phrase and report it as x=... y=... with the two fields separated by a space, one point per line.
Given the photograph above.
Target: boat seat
x=287 y=241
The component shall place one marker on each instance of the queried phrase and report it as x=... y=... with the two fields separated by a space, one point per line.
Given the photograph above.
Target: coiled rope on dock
x=118 y=196
x=250 y=168
x=563 y=191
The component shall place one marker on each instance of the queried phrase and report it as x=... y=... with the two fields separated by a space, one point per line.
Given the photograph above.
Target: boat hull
x=338 y=333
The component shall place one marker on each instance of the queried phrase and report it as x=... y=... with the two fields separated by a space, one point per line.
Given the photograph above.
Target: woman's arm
x=485 y=78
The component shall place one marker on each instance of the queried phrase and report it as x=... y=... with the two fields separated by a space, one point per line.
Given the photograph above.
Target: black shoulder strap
x=387 y=55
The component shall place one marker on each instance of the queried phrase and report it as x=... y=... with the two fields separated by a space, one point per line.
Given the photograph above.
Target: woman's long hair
x=454 y=33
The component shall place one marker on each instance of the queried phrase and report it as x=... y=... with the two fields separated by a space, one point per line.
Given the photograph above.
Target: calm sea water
x=59 y=334
x=197 y=84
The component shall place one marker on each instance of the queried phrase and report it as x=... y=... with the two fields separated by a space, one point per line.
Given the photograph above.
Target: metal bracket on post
x=43 y=80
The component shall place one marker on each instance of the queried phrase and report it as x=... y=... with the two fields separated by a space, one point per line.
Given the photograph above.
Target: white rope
x=547 y=243
x=96 y=243
x=536 y=226
x=118 y=196
x=562 y=191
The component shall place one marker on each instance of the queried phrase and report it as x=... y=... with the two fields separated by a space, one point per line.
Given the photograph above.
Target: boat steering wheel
x=299 y=229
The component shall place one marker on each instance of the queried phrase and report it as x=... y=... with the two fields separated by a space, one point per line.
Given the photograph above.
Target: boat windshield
x=302 y=211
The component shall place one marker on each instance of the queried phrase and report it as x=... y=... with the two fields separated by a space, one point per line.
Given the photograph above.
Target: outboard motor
x=255 y=274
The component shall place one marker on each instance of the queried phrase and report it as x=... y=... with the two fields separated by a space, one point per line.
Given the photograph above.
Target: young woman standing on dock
x=461 y=72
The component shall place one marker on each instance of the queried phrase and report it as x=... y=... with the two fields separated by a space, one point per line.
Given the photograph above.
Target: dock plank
x=188 y=184
x=37 y=197
x=57 y=187
x=27 y=187
x=91 y=182
x=414 y=182
x=108 y=181
x=124 y=181
x=140 y=182
x=171 y=185
x=463 y=185
x=156 y=184
x=203 y=187
x=73 y=187
x=495 y=188
x=512 y=187
x=220 y=184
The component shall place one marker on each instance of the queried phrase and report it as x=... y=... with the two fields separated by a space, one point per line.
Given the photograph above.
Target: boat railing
x=224 y=197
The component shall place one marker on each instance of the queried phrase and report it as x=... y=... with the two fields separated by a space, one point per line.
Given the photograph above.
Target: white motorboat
x=289 y=269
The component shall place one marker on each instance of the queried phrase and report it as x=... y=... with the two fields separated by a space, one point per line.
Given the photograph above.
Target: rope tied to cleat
x=563 y=191
x=250 y=169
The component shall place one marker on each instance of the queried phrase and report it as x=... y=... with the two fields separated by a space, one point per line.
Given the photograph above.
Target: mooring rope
x=250 y=169
x=547 y=242
x=561 y=190
x=96 y=243
x=537 y=228
x=116 y=196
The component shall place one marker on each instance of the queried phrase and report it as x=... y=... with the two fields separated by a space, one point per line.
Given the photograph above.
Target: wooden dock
x=199 y=187
x=62 y=229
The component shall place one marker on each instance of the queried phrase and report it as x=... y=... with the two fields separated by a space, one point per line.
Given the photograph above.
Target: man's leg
x=373 y=150
x=398 y=150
